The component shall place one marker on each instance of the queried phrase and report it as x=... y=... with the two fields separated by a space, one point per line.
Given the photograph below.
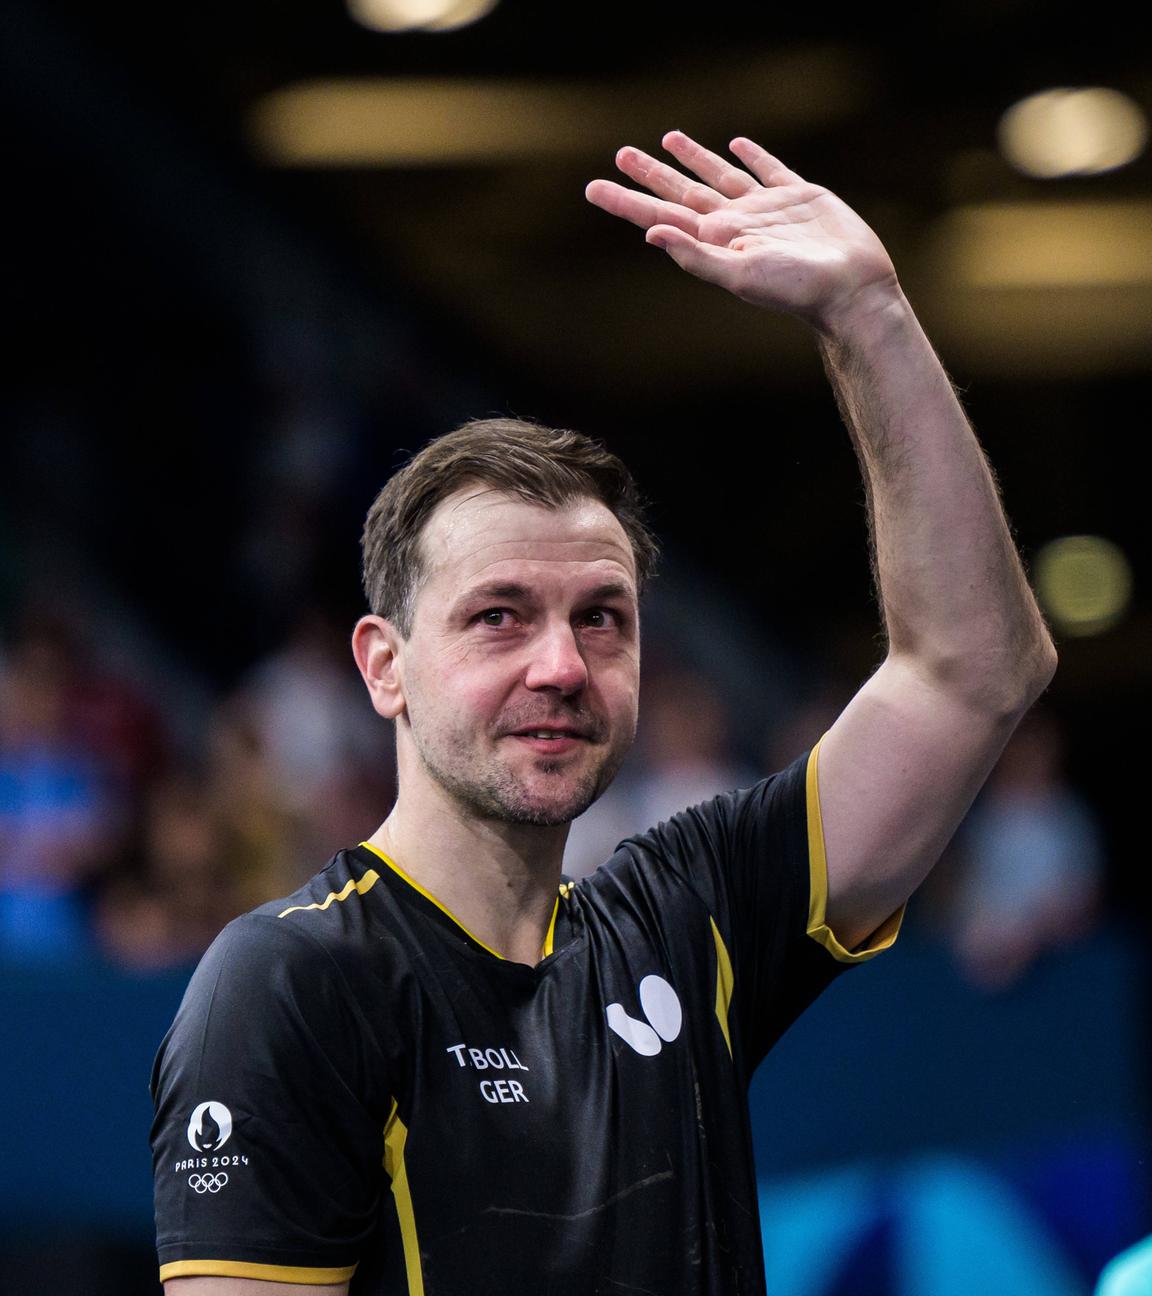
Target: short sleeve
x=755 y=858
x=268 y=1139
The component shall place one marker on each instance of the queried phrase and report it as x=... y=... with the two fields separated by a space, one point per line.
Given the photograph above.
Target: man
x=439 y=1069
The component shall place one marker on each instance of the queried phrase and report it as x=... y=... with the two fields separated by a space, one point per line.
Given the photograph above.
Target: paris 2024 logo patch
x=209 y=1128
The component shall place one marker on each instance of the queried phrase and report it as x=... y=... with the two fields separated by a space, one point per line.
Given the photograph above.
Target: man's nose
x=556 y=661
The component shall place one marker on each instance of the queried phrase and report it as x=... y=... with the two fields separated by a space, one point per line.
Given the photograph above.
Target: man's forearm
x=968 y=650
x=955 y=600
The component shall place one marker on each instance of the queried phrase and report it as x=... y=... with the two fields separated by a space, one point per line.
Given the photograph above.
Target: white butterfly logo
x=661 y=1007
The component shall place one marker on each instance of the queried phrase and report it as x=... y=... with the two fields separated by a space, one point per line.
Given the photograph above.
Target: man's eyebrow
x=495 y=590
x=612 y=590
x=516 y=592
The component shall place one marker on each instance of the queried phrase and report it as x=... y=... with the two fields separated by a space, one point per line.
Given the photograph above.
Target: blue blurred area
x=940 y=1140
x=914 y=1136
x=80 y=1044
x=902 y=1055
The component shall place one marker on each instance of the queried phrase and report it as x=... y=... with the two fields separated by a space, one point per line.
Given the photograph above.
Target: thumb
x=704 y=260
x=667 y=236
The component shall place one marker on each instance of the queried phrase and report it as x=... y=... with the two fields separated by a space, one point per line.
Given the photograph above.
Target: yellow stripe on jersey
x=244 y=1269
x=360 y=885
x=725 y=982
x=395 y=1137
x=429 y=896
x=448 y=912
x=818 y=927
x=551 y=934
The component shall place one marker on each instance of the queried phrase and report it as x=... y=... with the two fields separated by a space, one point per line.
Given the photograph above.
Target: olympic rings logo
x=211 y=1183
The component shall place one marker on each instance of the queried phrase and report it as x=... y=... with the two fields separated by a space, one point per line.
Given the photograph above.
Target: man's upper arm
x=271 y=1102
x=897 y=773
x=246 y=1287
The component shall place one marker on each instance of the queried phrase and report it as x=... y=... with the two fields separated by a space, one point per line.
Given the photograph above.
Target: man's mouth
x=547 y=740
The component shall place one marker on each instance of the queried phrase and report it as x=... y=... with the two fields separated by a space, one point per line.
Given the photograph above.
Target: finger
x=666 y=182
x=767 y=169
x=725 y=178
x=704 y=260
x=639 y=208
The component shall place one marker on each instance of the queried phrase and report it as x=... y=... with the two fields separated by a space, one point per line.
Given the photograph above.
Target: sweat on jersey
x=356 y=1088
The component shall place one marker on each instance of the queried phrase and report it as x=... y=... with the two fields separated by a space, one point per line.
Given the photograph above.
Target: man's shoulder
x=696 y=854
x=323 y=922
x=700 y=827
x=323 y=903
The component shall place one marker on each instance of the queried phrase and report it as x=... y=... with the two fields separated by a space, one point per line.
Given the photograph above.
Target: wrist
x=868 y=312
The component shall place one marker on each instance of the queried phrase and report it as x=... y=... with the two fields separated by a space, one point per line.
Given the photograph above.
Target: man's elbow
x=1001 y=682
x=1011 y=685
x=1045 y=666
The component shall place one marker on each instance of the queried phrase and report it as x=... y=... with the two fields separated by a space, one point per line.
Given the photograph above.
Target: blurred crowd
x=122 y=842
x=119 y=842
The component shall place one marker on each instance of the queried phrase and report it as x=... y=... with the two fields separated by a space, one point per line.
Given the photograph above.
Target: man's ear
x=376 y=645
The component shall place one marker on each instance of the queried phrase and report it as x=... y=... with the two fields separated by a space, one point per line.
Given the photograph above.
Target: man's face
x=521 y=673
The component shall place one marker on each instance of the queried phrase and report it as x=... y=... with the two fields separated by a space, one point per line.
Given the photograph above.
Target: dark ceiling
x=896 y=111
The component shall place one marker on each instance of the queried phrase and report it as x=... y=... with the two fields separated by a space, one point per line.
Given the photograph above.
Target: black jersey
x=356 y=1087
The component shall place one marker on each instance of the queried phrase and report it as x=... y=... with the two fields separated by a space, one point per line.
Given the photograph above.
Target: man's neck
x=498 y=880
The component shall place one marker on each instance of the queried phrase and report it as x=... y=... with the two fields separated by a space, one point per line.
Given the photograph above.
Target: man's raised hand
x=760 y=231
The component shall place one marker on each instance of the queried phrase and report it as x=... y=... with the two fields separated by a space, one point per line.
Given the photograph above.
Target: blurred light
x=1084 y=583
x=1072 y=132
x=418 y=15
x=425 y=120
x=1048 y=245
x=378 y=121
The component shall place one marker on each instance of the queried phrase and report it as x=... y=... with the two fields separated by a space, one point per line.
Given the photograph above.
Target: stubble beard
x=491 y=790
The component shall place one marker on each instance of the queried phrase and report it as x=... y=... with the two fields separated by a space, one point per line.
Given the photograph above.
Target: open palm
x=763 y=233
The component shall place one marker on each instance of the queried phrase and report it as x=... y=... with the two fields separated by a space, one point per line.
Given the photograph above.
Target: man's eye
x=601 y=618
x=494 y=616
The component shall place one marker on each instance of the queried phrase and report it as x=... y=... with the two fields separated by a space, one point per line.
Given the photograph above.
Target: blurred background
x=258 y=252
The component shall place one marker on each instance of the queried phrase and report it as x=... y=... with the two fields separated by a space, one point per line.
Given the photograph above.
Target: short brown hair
x=539 y=464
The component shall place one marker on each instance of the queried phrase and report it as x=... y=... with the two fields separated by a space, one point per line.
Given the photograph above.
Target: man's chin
x=548 y=800
x=548 y=794
x=545 y=811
